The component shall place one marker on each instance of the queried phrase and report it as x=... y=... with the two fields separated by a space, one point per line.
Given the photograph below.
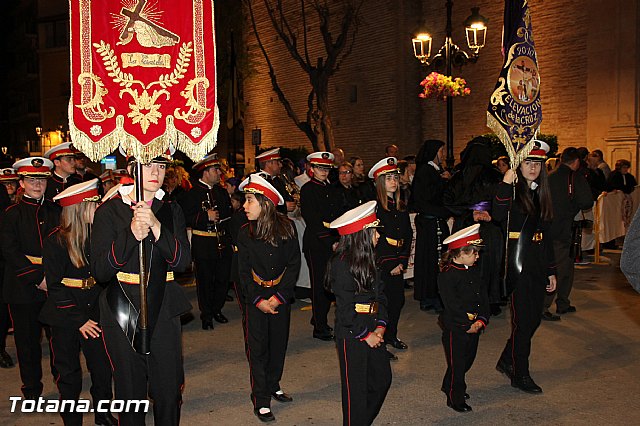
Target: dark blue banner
x=515 y=112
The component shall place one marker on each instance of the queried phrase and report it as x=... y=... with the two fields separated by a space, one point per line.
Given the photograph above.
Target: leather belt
x=34 y=259
x=537 y=236
x=472 y=317
x=267 y=283
x=395 y=243
x=127 y=278
x=326 y=224
x=82 y=283
x=235 y=248
x=367 y=308
x=207 y=233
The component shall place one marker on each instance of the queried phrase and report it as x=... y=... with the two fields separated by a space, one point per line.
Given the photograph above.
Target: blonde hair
x=74 y=232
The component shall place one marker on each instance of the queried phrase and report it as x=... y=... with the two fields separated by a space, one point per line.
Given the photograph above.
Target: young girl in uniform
x=466 y=311
x=71 y=308
x=361 y=317
x=392 y=250
x=268 y=265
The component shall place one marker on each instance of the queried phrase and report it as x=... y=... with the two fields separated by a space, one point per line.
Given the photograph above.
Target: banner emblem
x=143 y=77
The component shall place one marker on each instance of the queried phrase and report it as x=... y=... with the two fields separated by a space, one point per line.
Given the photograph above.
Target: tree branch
x=289 y=44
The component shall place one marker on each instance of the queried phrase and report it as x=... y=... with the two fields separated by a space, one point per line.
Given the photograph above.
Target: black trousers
x=27 y=332
x=317 y=258
x=160 y=373
x=429 y=233
x=365 y=374
x=267 y=340
x=564 y=276
x=527 y=301
x=66 y=344
x=5 y=323
x=460 y=348
x=394 y=290
x=212 y=283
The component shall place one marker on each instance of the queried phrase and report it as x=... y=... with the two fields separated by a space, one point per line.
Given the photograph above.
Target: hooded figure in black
x=431 y=222
x=469 y=196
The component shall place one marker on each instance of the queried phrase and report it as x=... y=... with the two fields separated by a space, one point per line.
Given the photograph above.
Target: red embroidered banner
x=143 y=76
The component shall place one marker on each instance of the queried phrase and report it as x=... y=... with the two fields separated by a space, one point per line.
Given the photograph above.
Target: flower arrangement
x=439 y=86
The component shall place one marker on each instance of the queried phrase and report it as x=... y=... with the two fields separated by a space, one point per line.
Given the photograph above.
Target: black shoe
x=466 y=395
x=526 y=384
x=398 y=344
x=281 y=397
x=548 y=316
x=495 y=309
x=5 y=359
x=220 y=318
x=323 y=335
x=105 y=419
x=566 y=310
x=267 y=417
x=460 y=408
x=425 y=307
x=504 y=368
x=207 y=324
x=392 y=356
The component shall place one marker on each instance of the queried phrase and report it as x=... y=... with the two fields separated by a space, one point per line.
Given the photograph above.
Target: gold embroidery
x=95 y=112
x=138 y=59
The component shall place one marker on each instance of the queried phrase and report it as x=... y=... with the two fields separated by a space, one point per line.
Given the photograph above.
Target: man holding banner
x=143 y=77
x=523 y=202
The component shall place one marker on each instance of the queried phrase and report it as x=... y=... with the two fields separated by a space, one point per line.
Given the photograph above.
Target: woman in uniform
x=361 y=317
x=71 y=308
x=120 y=225
x=392 y=250
x=268 y=264
x=531 y=268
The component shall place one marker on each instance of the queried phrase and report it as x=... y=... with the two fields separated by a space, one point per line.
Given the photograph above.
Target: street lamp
x=451 y=55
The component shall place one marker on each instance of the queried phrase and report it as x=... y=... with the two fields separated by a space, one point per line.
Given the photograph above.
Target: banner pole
x=142 y=258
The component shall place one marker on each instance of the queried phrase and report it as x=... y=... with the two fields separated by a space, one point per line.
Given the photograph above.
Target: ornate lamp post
x=451 y=55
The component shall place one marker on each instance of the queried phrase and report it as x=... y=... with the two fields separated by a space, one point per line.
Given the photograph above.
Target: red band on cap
x=463 y=242
x=209 y=163
x=24 y=170
x=254 y=187
x=385 y=169
x=78 y=198
x=63 y=153
x=538 y=153
x=269 y=158
x=358 y=225
x=321 y=161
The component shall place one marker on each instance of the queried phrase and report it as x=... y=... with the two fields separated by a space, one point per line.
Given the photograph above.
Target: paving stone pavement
x=587 y=364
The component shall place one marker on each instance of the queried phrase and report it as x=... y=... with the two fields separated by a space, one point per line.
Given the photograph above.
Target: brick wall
x=383 y=72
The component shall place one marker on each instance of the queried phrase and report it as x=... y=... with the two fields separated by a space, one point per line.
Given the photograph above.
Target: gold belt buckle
x=88 y=283
x=537 y=237
x=472 y=317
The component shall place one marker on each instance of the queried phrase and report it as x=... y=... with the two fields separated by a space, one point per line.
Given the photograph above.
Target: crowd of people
x=76 y=246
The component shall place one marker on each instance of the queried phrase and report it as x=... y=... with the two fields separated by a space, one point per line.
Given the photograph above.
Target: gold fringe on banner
x=515 y=157
x=143 y=153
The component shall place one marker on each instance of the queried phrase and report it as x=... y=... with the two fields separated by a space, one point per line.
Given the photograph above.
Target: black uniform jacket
x=570 y=193
x=56 y=184
x=319 y=206
x=114 y=249
x=67 y=307
x=463 y=294
x=396 y=226
x=529 y=257
x=268 y=262
x=24 y=228
x=349 y=323
x=197 y=219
